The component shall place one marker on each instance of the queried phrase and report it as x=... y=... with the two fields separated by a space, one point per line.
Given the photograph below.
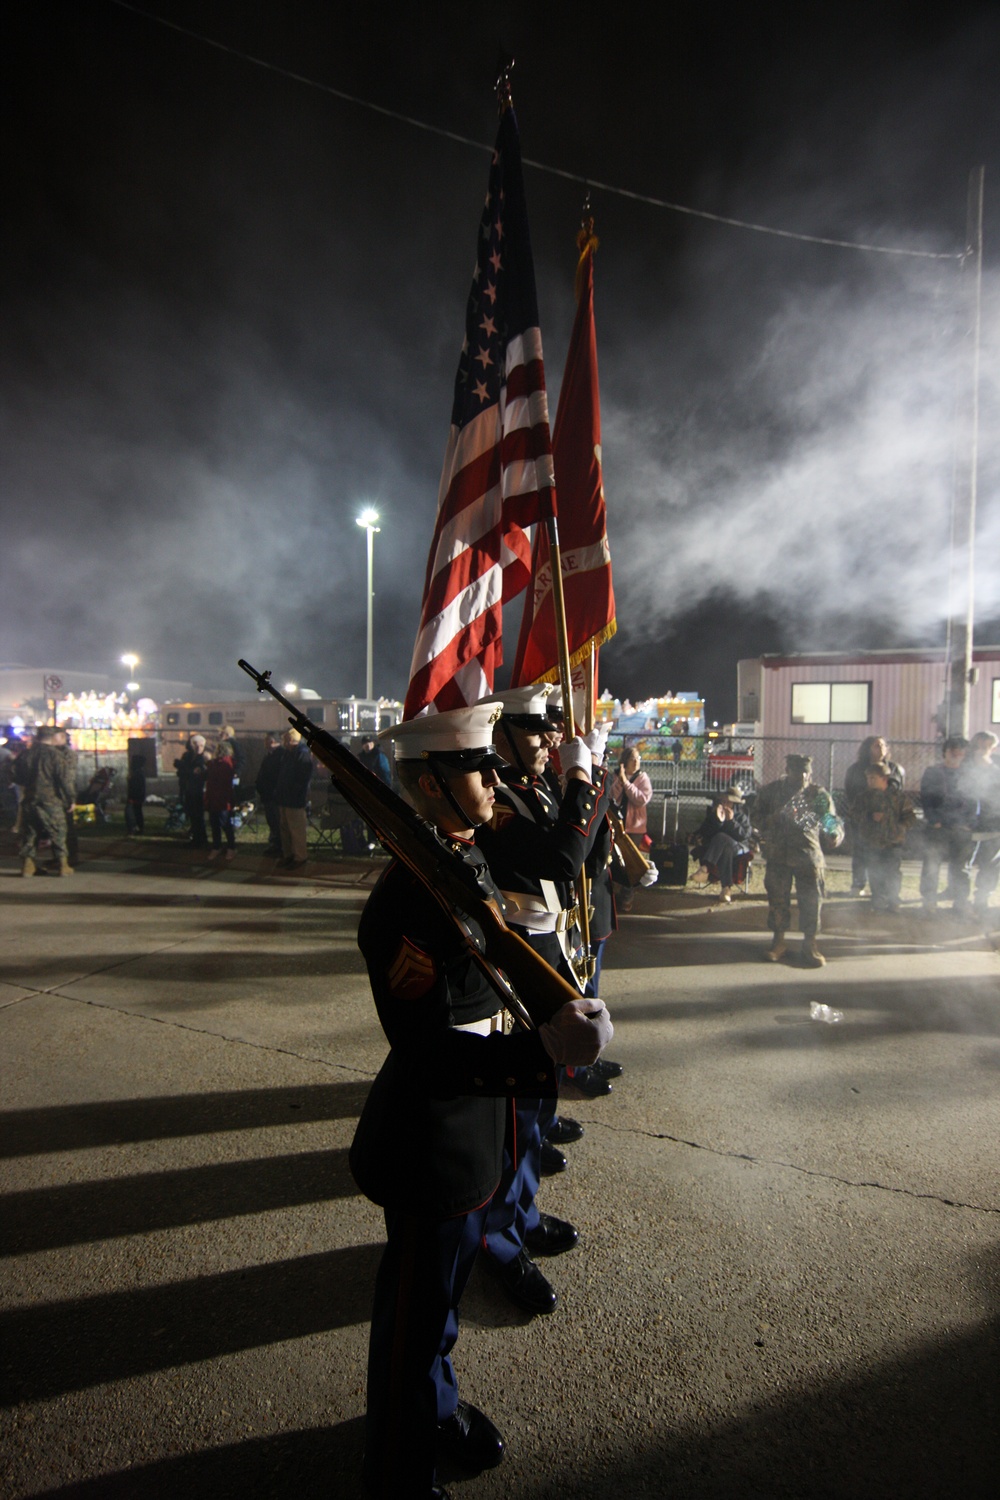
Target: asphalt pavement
x=788 y=1276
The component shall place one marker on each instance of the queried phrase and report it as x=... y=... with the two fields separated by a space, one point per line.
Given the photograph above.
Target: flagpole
x=569 y=722
x=590 y=693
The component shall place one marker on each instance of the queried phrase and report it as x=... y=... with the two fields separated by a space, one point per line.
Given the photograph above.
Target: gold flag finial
x=506 y=68
x=586 y=242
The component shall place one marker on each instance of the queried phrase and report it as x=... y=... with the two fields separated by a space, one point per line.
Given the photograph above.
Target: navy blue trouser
x=411 y=1383
x=512 y=1211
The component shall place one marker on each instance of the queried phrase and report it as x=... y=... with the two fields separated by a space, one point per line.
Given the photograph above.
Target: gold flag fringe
x=582 y=652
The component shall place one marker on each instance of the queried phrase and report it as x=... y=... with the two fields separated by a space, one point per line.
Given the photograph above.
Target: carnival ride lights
x=106 y=717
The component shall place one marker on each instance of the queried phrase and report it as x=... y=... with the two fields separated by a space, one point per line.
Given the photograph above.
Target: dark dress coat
x=430 y=1138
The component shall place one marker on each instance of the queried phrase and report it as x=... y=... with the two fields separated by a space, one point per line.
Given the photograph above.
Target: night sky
x=233 y=304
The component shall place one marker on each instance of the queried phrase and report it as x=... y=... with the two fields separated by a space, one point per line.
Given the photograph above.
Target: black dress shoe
x=605 y=1068
x=469 y=1439
x=523 y=1282
x=552 y=1161
x=550 y=1236
x=563 y=1130
x=587 y=1082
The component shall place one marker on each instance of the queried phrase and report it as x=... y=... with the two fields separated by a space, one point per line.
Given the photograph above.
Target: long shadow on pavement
x=184 y=962
x=312 y=1464
x=921 y=1427
x=73 y=1127
x=79 y=1213
x=87 y=1341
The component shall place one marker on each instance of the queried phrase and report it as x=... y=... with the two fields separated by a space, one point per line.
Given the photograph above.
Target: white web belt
x=484 y=1027
x=534 y=914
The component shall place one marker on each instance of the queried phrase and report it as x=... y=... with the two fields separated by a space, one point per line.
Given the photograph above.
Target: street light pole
x=367 y=519
x=131 y=661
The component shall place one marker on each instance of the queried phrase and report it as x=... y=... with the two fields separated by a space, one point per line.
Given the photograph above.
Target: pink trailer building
x=827 y=703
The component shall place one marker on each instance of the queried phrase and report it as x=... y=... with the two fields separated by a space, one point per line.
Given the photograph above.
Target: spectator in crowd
x=191 y=768
x=60 y=739
x=266 y=787
x=294 y=774
x=947 y=815
x=374 y=759
x=885 y=813
x=979 y=782
x=792 y=814
x=631 y=790
x=873 y=749
x=10 y=749
x=135 y=796
x=725 y=833
x=219 y=799
x=371 y=756
x=236 y=750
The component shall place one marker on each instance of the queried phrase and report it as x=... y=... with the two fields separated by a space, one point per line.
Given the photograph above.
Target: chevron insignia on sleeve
x=502 y=813
x=412 y=972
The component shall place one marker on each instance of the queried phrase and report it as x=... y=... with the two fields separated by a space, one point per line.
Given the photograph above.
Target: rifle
x=635 y=862
x=526 y=985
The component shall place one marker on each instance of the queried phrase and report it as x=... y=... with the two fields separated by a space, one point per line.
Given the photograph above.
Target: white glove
x=574 y=755
x=578 y=1033
x=597 y=742
x=651 y=876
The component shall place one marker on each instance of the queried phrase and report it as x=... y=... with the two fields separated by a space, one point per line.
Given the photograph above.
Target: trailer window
x=194 y=718
x=173 y=717
x=215 y=717
x=831 y=702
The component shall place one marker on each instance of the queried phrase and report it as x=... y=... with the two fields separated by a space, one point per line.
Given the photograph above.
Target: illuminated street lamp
x=131 y=661
x=368 y=519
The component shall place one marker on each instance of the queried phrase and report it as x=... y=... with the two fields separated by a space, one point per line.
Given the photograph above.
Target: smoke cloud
x=234 y=309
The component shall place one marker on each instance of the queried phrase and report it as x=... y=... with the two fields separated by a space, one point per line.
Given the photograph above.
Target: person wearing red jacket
x=219 y=799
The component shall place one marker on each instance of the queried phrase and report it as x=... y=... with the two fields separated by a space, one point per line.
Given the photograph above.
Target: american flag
x=497 y=476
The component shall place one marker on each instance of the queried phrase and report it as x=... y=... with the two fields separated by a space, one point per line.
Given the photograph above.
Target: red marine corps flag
x=583 y=541
x=497 y=476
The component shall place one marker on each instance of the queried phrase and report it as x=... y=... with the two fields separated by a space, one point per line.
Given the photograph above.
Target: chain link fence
x=703 y=770
x=751 y=763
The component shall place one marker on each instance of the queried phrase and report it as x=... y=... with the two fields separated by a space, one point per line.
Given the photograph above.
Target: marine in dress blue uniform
x=429 y=1144
x=535 y=845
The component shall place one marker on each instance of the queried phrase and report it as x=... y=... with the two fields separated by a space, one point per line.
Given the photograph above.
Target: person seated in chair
x=724 y=834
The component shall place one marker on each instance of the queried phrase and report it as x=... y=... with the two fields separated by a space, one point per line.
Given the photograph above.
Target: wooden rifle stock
x=635 y=862
x=527 y=986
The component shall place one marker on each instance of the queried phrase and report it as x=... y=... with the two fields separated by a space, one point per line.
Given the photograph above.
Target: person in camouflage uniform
x=48 y=793
x=792 y=814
